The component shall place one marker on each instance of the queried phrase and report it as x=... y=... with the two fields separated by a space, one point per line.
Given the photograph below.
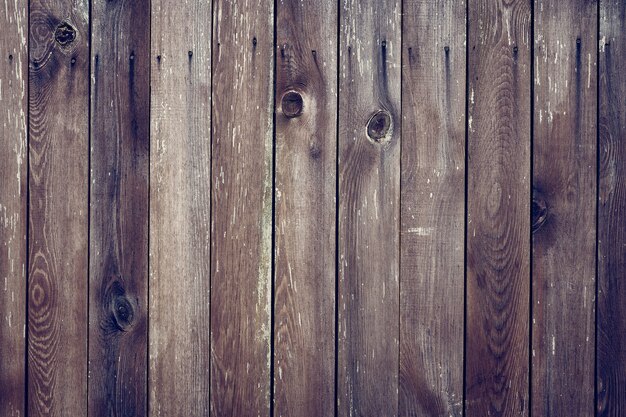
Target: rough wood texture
x=13 y=216
x=241 y=223
x=564 y=208
x=306 y=145
x=369 y=205
x=611 y=323
x=118 y=297
x=180 y=161
x=498 y=221
x=432 y=209
x=58 y=245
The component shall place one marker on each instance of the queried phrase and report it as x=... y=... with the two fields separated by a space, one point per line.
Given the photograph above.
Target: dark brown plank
x=13 y=183
x=241 y=242
x=118 y=297
x=611 y=324
x=369 y=204
x=498 y=207
x=180 y=202
x=564 y=207
x=58 y=243
x=432 y=209
x=306 y=142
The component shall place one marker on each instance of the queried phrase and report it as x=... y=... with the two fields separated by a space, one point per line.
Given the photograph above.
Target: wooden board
x=180 y=204
x=241 y=222
x=611 y=318
x=58 y=187
x=306 y=147
x=564 y=208
x=118 y=279
x=498 y=197
x=369 y=207
x=432 y=209
x=13 y=197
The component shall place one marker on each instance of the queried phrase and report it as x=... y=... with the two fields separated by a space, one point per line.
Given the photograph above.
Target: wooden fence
x=313 y=208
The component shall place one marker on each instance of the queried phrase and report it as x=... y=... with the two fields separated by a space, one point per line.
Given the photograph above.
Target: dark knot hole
x=379 y=125
x=292 y=104
x=65 y=34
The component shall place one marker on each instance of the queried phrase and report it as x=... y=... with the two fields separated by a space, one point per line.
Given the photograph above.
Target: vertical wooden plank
x=120 y=53
x=611 y=324
x=564 y=207
x=13 y=166
x=498 y=207
x=432 y=209
x=58 y=243
x=306 y=141
x=369 y=204
x=241 y=223
x=180 y=202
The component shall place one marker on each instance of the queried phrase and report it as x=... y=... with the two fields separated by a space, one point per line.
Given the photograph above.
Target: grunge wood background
x=312 y=208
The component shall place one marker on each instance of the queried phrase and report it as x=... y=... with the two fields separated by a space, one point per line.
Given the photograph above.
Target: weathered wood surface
x=242 y=196
x=432 y=209
x=118 y=276
x=180 y=203
x=58 y=207
x=299 y=207
x=369 y=207
x=13 y=215
x=306 y=148
x=611 y=318
x=498 y=197
x=564 y=208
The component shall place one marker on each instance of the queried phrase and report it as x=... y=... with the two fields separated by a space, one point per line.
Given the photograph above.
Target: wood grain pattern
x=432 y=209
x=369 y=204
x=13 y=197
x=241 y=223
x=58 y=193
x=306 y=147
x=498 y=197
x=180 y=204
x=611 y=318
x=564 y=182
x=118 y=295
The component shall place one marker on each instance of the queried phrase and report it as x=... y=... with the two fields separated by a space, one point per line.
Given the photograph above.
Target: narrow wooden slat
x=180 y=161
x=432 y=209
x=611 y=324
x=564 y=207
x=13 y=183
x=306 y=141
x=58 y=243
x=369 y=200
x=498 y=199
x=119 y=208
x=241 y=223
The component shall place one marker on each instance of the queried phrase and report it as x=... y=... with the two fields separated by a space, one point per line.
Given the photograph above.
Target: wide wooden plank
x=241 y=222
x=118 y=297
x=180 y=203
x=306 y=147
x=564 y=207
x=498 y=208
x=58 y=187
x=369 y=204
x=13 y=220
x=611 y=324
x=432 y=209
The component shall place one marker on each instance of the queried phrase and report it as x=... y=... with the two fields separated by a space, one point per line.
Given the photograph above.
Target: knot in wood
x=292 y=104
x=539 y=211
x=64 y=34
x=123 y=312
x=379 y=125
